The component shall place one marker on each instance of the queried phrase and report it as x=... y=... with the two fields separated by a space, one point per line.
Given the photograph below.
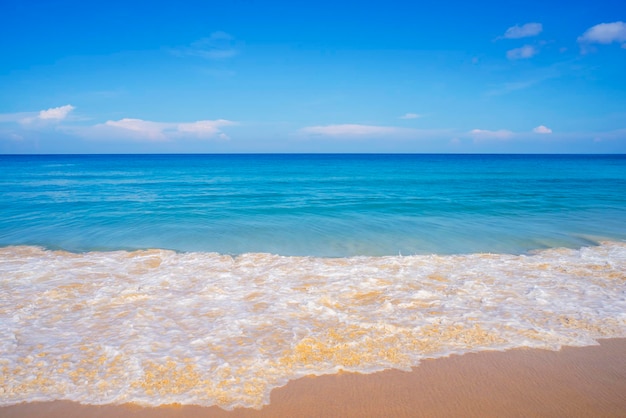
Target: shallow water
x=157 y=327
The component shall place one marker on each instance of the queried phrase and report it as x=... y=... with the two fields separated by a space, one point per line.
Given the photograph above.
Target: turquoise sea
x=212 y=279
x=318 y=205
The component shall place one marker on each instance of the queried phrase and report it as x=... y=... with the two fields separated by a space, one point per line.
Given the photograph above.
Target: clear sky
x=456 y=76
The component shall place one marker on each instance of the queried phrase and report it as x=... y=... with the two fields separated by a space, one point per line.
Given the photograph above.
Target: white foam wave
x=155 y=327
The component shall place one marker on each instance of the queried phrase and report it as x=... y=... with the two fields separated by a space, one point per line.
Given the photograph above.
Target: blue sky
x=340 y=76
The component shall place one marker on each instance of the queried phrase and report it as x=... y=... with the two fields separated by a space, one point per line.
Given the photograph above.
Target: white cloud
x=410 y=116
x=126 y=128
x=52 y=114
x=161 y=131
x=524 y=31
x=140 y=128
x=484 y=134
x=351 y=130
x=56 y=113
x=541 y=129
x=205 y=128
x=358 y=132
x=524 y=52
x=219 y=45
x=604 y=33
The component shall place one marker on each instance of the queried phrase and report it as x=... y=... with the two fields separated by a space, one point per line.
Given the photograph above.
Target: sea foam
x=158 y=327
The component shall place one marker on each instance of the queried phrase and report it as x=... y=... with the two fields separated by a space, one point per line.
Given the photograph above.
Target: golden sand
x=573 y=382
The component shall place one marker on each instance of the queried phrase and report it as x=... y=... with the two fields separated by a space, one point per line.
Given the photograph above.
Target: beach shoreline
x=573 y=382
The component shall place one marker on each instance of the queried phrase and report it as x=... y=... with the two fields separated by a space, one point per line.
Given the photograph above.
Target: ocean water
x=212 y=279
x=312 y=205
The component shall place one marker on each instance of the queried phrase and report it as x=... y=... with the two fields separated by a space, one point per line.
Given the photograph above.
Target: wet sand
x=573 y=382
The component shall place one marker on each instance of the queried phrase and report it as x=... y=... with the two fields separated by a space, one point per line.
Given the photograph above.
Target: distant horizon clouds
x=350 y=130
x=60 y=112
x=541 y=129
x=485 y=134
x=411 y=116
x=51 y=114
x=162 y=131
x=134 y=129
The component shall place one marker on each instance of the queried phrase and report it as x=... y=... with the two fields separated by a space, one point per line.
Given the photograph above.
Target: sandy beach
x=573 y=382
